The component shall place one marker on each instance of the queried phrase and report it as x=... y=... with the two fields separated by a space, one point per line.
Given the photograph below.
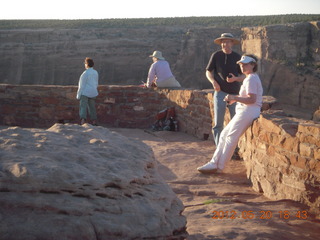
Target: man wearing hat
x=160 y=72
x=225 y=75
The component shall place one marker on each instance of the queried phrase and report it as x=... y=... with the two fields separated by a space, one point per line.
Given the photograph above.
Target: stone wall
x=117 y=106
x=282 y=157
x=282 y=154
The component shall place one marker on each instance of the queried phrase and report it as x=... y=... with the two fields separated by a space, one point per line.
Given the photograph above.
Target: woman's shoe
x=82 y=121
x=208 y=168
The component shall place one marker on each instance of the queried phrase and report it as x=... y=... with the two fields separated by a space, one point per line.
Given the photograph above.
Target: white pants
x=232 y=132
x=169 y=82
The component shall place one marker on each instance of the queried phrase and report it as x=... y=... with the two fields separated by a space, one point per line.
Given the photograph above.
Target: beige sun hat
x=226 y=36
x=157 y=54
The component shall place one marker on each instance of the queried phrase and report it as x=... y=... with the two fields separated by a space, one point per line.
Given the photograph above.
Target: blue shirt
x=88 y=83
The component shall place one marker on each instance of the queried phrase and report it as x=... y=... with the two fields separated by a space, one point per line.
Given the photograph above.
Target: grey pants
x=87 y=103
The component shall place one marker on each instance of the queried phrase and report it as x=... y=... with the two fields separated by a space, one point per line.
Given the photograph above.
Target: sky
x=104 y=9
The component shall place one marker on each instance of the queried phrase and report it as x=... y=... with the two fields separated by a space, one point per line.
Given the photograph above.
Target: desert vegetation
x=217 y=21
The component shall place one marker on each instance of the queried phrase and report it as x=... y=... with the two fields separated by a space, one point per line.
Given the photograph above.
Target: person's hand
x=231 y=78
x=230 y=99
x=216 y=86
x=143 y=84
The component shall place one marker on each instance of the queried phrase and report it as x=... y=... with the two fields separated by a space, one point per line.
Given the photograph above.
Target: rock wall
x=282 y=157
x=117 y=106
x=282 y=154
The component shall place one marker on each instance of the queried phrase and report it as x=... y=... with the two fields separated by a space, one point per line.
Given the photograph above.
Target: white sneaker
x=208 y=168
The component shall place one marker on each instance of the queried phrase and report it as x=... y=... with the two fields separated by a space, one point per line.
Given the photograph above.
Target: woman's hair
x=255 y=68
x=89 y=62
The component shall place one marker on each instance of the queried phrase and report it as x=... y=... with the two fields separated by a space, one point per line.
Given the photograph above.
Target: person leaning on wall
x=248 y=106
x=87 y=92
x=160 y=74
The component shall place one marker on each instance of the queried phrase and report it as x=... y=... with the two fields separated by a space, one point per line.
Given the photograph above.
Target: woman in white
x=249 y=102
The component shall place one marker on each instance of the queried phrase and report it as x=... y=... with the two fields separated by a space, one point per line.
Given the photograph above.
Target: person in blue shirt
x=87 y=92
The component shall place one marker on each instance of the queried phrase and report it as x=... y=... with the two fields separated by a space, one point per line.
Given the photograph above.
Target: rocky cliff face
x=290 y=63
x=289 y=66
x=55 y=56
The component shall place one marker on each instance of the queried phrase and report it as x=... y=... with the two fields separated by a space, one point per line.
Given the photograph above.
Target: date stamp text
x=264 y=214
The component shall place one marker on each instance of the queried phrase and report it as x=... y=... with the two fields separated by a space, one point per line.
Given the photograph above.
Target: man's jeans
x=219 y=112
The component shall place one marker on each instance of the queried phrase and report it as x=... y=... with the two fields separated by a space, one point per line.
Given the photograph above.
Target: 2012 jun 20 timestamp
x=263 y=214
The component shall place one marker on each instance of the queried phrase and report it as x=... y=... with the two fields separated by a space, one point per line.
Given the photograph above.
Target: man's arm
x=211 y=79
x=233 y=78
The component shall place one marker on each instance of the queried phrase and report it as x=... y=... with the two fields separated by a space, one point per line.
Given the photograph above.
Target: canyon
x=289 y=57
x=39 y=76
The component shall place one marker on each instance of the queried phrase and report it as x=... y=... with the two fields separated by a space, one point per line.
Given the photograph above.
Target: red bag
x=162 y=114
x=170 y=113
x=166 y=114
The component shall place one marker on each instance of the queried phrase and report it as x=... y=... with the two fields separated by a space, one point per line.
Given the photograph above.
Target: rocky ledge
x=83 y=182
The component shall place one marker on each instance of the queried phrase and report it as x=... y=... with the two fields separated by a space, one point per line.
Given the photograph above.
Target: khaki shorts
x=169 y=82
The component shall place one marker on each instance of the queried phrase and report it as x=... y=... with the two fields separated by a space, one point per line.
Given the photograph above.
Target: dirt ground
x=222 y=206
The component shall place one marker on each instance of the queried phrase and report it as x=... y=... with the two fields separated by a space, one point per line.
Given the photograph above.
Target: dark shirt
x=221 y=64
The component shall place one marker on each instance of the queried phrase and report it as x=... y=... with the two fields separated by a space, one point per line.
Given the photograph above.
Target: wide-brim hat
x=157 y=54
x=226 y=36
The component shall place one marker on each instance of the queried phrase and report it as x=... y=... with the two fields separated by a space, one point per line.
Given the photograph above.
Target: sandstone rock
x=316 y=115
x=82 y=182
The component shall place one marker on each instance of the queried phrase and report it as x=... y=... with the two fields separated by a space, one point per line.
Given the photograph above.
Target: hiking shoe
x=208 y=168
x=82 y=121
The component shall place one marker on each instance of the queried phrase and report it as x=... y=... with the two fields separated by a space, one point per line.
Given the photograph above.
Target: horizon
x=137 y=18
x=126 y=9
